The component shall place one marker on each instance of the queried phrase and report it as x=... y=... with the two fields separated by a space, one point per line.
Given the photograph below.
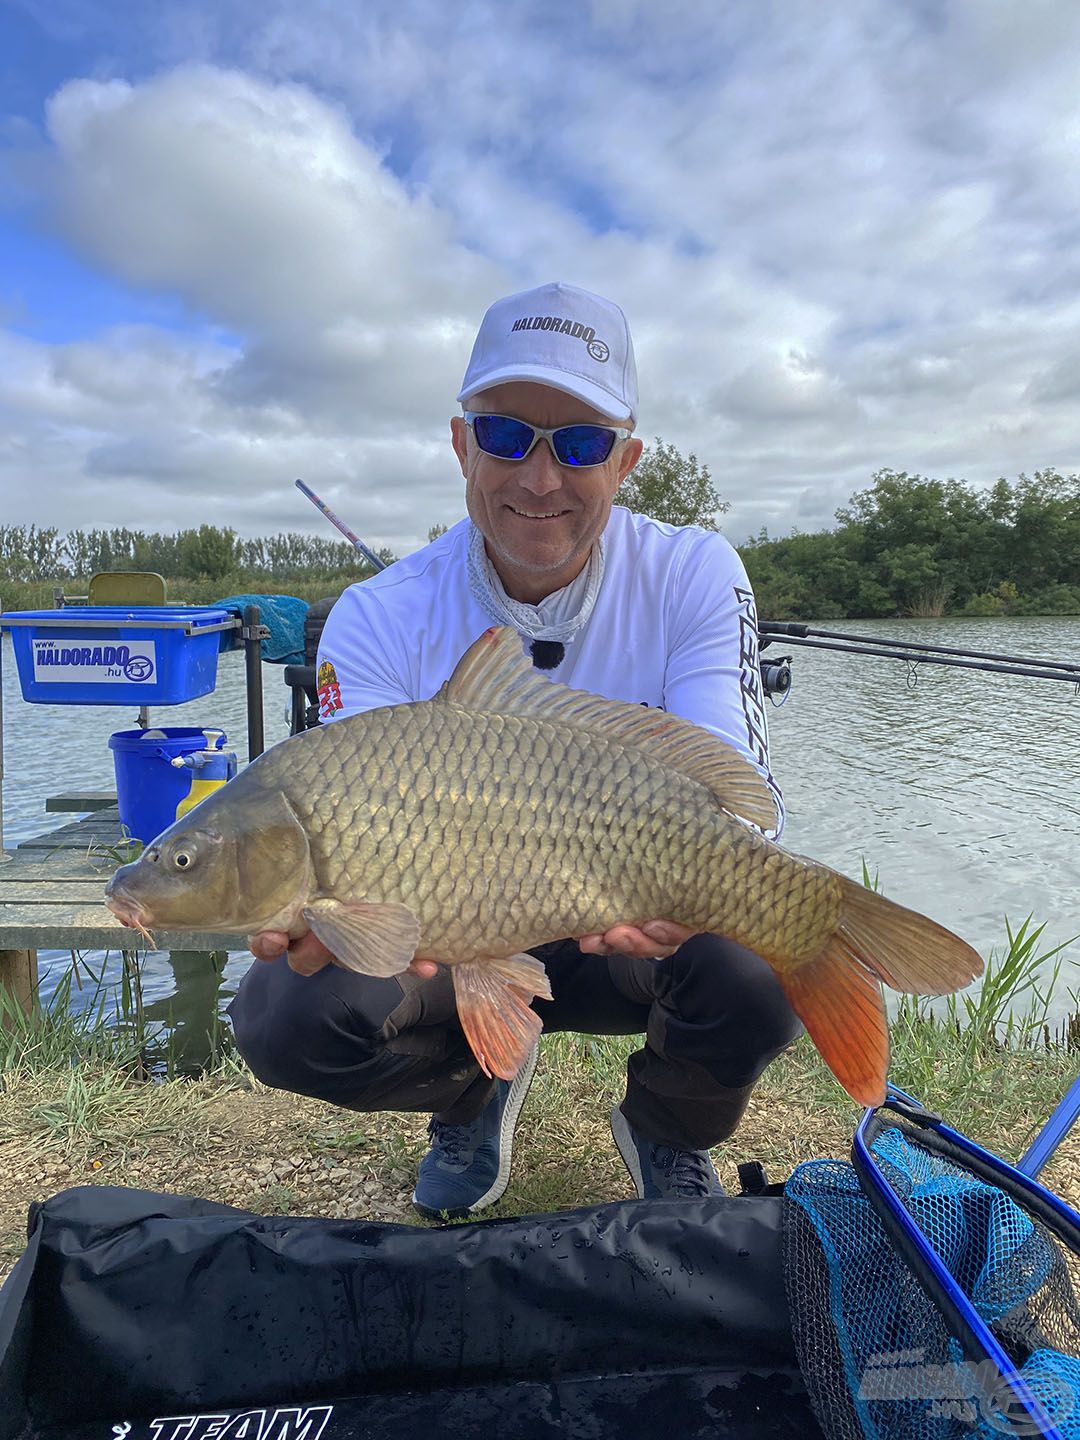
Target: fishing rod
x=917 y=653
x=336 y=520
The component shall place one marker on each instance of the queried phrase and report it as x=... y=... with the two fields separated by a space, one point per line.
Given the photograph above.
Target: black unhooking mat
x=134 y=1316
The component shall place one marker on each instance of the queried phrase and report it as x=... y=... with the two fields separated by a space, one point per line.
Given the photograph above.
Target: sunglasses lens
x=583 y=444
x=503 y=437
x=510 y=439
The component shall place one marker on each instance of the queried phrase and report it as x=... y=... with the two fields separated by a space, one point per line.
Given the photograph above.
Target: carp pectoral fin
x=841 y=1005
x=493 y=1007
x=370 y=938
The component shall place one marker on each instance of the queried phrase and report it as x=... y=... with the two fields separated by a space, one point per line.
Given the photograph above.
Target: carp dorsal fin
x=494 y=674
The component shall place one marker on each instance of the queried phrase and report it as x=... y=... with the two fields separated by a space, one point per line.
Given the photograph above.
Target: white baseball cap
x=561 y=336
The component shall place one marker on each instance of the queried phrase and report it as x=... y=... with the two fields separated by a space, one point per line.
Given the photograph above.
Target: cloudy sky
x=241 y=243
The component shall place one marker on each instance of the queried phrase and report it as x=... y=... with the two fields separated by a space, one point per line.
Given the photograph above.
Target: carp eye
x=182 y=860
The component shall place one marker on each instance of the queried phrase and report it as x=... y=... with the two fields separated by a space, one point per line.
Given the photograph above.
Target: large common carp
x=510 y=810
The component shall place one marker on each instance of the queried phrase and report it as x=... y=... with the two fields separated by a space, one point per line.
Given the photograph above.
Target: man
x=607 y=601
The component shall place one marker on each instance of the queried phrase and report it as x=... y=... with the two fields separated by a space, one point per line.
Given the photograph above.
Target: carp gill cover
x=508 y=811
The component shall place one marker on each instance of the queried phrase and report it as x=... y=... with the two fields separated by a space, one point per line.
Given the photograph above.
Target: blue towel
x=283 y=616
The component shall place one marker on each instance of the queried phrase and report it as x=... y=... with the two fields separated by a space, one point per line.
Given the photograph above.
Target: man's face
x=540 y=519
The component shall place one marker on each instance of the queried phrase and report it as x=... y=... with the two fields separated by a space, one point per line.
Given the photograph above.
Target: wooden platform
x=52 y=898
x=81 y=801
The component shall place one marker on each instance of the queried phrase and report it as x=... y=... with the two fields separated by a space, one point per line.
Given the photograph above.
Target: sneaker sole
x=515 y=1099
x=624 y=1143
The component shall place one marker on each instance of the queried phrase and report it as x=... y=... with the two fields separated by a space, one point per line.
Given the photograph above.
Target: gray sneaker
x=467 y=1167
x=664 y=1172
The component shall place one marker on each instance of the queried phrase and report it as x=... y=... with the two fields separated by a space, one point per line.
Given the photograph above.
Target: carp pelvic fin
x=493 y=1007
x=370 y=938
x=495 y=675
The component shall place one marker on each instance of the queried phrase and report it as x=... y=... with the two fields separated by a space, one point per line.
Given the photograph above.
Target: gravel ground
x=272 y=1153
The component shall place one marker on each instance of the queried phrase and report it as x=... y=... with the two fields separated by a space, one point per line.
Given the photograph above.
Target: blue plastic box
x=104 y=655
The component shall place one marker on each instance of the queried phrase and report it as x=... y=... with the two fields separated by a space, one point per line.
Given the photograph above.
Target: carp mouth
x=128 y=911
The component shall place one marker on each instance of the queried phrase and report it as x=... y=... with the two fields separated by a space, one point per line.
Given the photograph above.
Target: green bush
x=985 y=604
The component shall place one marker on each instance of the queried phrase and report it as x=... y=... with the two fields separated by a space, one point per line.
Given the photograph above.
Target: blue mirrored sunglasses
x=576 y=445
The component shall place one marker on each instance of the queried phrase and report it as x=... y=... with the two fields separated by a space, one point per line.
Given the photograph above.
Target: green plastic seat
x=126 y=587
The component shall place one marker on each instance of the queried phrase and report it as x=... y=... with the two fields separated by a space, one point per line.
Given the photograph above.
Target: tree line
x=906 y=545
x=909 y=545
x=29 y=552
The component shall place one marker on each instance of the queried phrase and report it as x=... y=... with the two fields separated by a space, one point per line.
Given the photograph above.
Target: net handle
x=930 y=1270
x=1064 y=1117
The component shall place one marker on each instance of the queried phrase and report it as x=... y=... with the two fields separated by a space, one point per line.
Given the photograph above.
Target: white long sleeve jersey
x=674 y=626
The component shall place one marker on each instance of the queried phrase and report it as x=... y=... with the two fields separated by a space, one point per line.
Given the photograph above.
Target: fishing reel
x=776 y=678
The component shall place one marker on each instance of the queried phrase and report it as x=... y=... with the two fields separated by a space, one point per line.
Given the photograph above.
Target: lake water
x=962 y=792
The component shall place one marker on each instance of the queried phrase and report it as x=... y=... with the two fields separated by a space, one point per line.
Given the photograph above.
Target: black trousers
x=713 y=1015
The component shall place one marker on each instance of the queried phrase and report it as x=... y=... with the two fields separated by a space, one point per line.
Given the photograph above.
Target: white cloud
x=256 y=202
x=845 y=239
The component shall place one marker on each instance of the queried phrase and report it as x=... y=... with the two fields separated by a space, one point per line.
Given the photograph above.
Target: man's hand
x=653 y=941
x=308 y=954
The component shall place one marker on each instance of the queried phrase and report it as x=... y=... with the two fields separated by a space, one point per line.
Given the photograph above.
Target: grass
x=100 y=1107
x=994 y=1052
x=122 y=853
x=108 y=1027
x=55 y=1036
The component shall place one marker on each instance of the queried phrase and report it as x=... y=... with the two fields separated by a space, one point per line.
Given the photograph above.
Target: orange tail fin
x=905 y=949
x=493 y=1007
x=841 y=1006
x=837 y=995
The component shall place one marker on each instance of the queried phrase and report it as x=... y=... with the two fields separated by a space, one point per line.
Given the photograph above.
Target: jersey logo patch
x=329 y=691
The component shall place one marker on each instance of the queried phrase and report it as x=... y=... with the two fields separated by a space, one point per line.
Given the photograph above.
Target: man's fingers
x=651 y=941
x=425 y=969
x=667 y=932
x=625 y=940
x=268 y=944
x=306 y=955
x=307 y=964
x=594 y=945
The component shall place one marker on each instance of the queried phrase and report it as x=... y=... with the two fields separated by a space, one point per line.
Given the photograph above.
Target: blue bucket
x=162 y=774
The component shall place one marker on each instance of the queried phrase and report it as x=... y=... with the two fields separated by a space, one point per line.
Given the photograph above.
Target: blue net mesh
x=1055 y=1380
x=877 y=1355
